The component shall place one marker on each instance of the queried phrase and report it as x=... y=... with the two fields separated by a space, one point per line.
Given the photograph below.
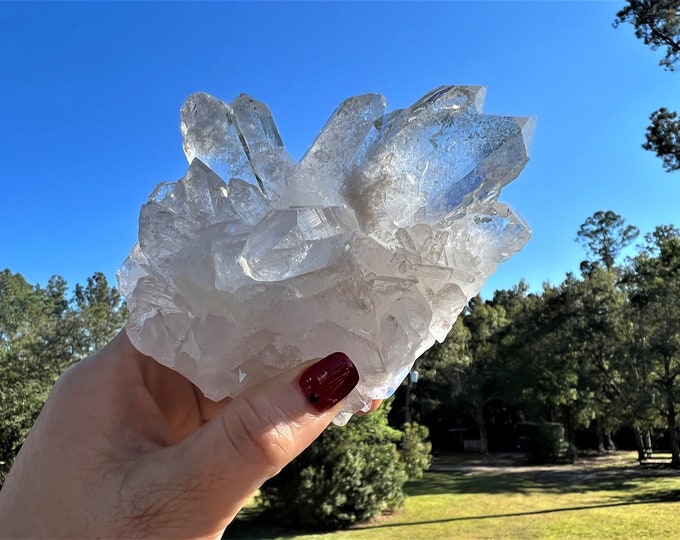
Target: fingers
x=262 y=430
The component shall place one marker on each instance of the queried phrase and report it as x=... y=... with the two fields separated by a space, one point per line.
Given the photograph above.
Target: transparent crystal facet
x=372 y=244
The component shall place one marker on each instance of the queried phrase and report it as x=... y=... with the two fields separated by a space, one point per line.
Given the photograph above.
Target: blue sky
x=91 y=94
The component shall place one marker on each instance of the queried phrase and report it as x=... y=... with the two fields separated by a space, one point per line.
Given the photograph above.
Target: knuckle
x=262 y=434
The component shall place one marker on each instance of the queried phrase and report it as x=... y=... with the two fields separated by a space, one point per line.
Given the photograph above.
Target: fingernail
x=329 y=381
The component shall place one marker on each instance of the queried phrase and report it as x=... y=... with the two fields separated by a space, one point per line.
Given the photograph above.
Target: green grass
x=596 y=498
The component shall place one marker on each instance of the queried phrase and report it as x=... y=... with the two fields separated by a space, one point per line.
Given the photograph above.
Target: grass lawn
x=598 y=497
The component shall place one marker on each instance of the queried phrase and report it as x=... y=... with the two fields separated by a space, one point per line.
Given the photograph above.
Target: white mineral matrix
x=371 y=244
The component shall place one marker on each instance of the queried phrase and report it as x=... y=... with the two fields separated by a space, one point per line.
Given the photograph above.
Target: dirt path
x=610 y=464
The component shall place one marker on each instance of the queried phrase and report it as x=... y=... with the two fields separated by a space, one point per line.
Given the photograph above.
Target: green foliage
x=653 y=285
x=349 y=475
x=434 y=397
x=595 y=353
x=502 y=504
x=415 y=451
x=101 y=311
x=42 y=332
x=31 y=319
x=604 y=235
x=663 y=138
x=461 y=378
x=547 y=443
x=657 y=23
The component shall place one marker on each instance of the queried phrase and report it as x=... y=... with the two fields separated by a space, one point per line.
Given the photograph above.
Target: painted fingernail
x=329 y=381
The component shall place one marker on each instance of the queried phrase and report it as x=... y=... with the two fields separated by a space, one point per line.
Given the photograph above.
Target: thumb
x=260 y=432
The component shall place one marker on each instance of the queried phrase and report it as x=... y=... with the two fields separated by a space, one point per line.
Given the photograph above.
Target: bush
x=415 y=450
x=547 y=444
x=349 y=475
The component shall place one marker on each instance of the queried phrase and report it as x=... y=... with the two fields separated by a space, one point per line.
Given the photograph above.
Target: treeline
x=598 y=353
x=43 y=330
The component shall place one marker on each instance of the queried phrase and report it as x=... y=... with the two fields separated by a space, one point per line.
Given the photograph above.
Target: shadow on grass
x=519 y=514
x=251 y=524
x=251 y=528
x=668 y=496
x=525 y=482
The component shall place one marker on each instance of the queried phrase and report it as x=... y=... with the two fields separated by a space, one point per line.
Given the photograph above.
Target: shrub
x=349 y=475
x=415 y=450
x=547 y=444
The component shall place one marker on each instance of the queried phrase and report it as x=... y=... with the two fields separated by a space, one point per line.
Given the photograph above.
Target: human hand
x=125 y=447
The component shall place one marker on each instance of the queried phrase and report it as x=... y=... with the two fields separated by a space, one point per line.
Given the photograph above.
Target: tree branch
x=656 y=32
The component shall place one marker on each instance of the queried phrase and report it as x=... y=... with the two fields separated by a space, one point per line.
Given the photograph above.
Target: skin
x=127 y=448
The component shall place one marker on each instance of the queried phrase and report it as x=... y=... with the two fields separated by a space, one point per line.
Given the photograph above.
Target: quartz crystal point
x=372 y=244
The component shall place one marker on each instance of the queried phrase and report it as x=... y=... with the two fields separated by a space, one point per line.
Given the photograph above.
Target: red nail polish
x=329 y=381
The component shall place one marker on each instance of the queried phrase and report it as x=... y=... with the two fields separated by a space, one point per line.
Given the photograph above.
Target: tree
x=558 y=384
x=600 y=331
x=604 y=235
x=41 y=334
x=663 y=138
x=434 y=399
x=657 y=23
x=348 y=475
x=637 y=392
x=485 y=322
x=101 y=310
x=459 y=378
x=415 y=450
x=603 y=326
x=38 y=338
x=518 y=350
x=654 y=289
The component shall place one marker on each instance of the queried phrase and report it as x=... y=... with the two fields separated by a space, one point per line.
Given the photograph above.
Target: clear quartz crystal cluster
x=371 y=244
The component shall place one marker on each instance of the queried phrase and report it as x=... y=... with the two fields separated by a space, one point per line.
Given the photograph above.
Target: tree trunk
x=648 y=441
x=639 y=443
x=479 y=420
x=609 y=442
x=673 y=433
x=599 y=432
x=570 y=432
x=407 y=404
